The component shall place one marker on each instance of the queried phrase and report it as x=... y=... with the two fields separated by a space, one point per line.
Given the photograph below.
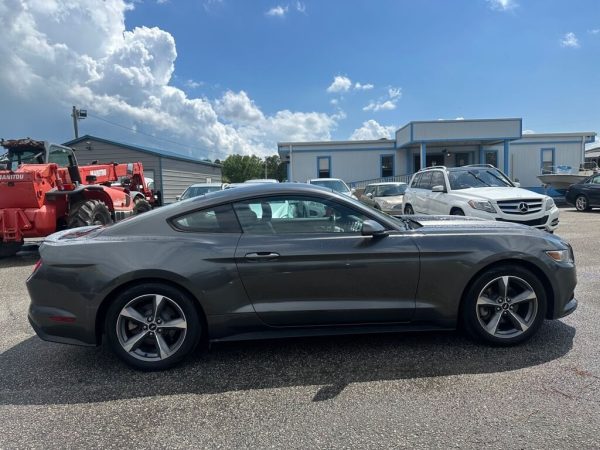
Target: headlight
x=386 y=205
x=482 y=206
x=561 y=255
x=549 y=203
x=398 y=206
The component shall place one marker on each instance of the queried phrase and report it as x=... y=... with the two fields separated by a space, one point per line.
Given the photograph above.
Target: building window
x=547 y=157
x=387 y=166
x=324 y=166
x=491 y=157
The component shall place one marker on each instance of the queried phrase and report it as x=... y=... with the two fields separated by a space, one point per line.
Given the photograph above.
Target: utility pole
x=77 y=114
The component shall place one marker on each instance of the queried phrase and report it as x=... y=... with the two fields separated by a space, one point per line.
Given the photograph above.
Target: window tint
x=323 y=167
x=196 y=191
x=369 y=190
x=387 y=166
x=213 y=220
x=437 y=179
x=425 y=182
x=596 y=180
x=293 y=214
x=416 y=180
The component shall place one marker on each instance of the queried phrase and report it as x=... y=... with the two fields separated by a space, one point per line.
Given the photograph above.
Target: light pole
x=77 y=114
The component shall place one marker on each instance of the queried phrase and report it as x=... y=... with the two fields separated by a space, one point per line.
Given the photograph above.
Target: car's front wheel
x=408 y=209
x=581 y=203
x=152 y=326
x=504 y=306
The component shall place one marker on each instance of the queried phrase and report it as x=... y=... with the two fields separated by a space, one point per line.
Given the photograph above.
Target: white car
x=478 y=191
x=335 y=184
x=386 y=196
x=198 y=189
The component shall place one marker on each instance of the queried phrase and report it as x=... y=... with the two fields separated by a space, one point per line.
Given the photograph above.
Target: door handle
x=265 y=256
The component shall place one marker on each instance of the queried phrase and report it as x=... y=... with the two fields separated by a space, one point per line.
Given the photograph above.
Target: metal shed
x=171 y=172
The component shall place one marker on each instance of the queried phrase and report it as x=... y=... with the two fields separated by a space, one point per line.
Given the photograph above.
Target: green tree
x=238 y=168
x=275 y=168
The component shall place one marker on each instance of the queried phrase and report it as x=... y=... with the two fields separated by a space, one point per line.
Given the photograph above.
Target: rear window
x=219 y=219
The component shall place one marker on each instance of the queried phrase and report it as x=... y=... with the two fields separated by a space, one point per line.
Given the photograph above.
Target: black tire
x=175 y=303
x=89 y=212
x=532 y=313
x=8 y=249
x=582 y=203
x=141 y=206
x=457 y=212
x=408 y=209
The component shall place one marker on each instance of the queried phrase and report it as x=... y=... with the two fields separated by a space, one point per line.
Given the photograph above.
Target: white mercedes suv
x=478 y=191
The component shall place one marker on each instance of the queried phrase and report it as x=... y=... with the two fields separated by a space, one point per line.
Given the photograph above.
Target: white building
x=441 y=142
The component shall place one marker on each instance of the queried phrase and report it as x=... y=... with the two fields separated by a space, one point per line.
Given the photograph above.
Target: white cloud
x=363 y=87
x=372 y=130
x=193 y=84
x=569 y=40
x=340 y=84
x=502 y=5
x=460 y=118
x=383 y=106
x=334 y=101
x=594 y=31
x=301 y=7
x=58 y=53
x=528 y=132
x=277 y=11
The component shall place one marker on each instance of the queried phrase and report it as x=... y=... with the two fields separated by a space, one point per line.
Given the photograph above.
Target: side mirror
x=438 y=188
x=352 y=191
x=177 y=198
x=372 y=228
x=370 y=195
x=517 y=184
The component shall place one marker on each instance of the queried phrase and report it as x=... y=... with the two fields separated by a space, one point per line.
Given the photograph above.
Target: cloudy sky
x=213 y=77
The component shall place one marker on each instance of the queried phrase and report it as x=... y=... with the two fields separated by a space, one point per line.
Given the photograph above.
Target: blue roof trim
x=141 y=148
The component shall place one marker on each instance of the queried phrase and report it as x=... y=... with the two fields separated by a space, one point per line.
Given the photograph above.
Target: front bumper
x=547 y=221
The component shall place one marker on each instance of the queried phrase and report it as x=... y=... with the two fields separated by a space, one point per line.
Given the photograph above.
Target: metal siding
x=488 y=129
x=178 y=175
x=403 y=135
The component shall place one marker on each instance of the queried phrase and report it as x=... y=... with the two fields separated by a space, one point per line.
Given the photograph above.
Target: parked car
x=335 y=184
x=291 y=260
x=584 y=195
x=478 y=191
x=199 y=189
x=387 y=196
x=262 y=180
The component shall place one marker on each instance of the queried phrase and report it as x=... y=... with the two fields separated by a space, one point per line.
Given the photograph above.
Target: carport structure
x=458 y=142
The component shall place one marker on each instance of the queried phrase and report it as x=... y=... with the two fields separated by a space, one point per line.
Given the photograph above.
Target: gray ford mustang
x=292 y=260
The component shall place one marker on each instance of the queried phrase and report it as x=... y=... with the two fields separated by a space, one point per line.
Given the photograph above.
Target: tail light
x=38 y=264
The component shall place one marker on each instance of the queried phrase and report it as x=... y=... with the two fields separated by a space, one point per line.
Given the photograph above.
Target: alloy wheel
x=581 y=203
x=151 y=327
x=507 y=307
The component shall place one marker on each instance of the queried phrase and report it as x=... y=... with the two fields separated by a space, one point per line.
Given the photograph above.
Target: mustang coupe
x=280 y=260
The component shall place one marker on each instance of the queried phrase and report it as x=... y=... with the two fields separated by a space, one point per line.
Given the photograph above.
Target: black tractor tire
x=89 y=212
x=457 y=212
x=141 y=206
x=140 y=302
x=408 y=209
x=484 y=301
x=8 y=249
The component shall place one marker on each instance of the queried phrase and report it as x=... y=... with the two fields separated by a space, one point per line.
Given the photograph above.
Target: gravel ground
x=427 y=390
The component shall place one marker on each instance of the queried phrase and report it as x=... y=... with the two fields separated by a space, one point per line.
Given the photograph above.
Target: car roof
x=205 y=185
x=387 y=183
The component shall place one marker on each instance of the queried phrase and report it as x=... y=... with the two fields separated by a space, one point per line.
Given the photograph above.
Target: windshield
x=392 y=190
x=196 y=191
x=477 y=177
x=13 y=159
x=335 y=185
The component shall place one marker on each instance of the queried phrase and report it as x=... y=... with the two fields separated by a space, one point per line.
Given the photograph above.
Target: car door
x=593 y=191
x=437 y=203
x=423 y=193
x=305 y=268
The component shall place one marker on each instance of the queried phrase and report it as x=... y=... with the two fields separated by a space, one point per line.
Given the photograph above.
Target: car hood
x=498 y=193
x=473 y=224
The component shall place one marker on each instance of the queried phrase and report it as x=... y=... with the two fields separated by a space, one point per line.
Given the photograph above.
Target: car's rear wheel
x=152 y=326
x=504 y=306
x=581 y=203
x=408 y=209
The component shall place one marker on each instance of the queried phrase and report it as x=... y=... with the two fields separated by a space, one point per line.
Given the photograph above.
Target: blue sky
x=250 y=73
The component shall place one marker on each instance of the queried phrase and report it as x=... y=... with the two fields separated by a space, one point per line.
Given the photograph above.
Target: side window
x=369 y=190
x=416 y=180
x=61 y=156
x=596 y=180
x=219 y=219
x=294 y=214
x=547 y=156
x=425 y=182
x=323 y=167
x=437 y=179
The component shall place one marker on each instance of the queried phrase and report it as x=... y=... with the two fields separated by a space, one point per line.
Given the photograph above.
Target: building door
x=461 y=159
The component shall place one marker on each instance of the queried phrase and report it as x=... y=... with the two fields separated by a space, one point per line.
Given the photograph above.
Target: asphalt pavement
x=417 y=390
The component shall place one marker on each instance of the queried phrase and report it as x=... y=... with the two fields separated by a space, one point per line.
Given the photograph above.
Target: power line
x=133 y=130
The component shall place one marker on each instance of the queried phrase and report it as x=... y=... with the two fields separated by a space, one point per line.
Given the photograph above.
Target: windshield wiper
x=477 y=178
x=498 y=178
